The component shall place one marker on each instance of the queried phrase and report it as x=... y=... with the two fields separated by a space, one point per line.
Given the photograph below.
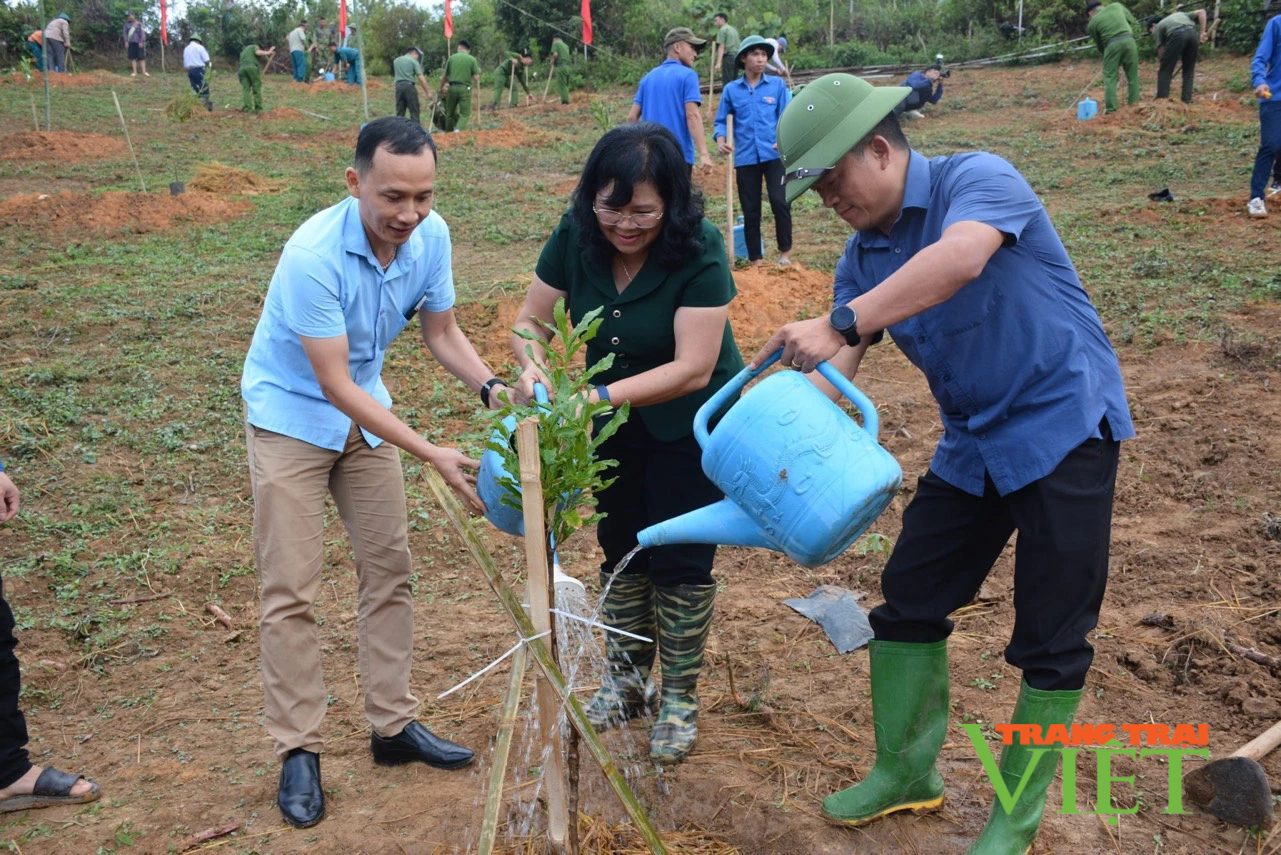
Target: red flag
x=342 y=20
x=164 y=23
x=449 y=20
x=587 y=21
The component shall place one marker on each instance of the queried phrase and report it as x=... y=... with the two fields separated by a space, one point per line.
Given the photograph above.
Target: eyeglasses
x=608 y=217
x=806 y=172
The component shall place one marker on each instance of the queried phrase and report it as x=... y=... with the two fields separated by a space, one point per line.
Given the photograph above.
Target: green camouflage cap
x=826 y=120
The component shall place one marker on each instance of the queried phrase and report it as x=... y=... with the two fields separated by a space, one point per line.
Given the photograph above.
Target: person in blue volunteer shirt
x=1265 y=74
x=318 y=422
x=926 y=88
x=669 y=95
x=756 y=101
x=957 y=258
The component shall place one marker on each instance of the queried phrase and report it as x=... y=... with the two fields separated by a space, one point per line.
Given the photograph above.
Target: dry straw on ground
x=215 y=177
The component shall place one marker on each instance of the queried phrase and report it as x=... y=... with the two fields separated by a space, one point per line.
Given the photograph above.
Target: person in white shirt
x=195 y=59
x=297 y=39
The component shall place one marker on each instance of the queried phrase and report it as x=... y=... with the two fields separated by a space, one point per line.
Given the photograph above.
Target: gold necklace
x=626 y=272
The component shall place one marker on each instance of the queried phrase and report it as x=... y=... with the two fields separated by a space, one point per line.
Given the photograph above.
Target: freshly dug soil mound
x=73 y=215
x=510 y=135
x=341 y=84
x=97 y=77
x=770 y=296
x=217 y=178
x=283 y=114
x=59 y=146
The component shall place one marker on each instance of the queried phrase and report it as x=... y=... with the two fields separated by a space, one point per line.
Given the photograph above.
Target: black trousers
x=951 y=539
x=13 y=726
x=655 y=481
x=729 y=68
x=913 y=101
x=749 y=197
x=407 y=101
x=196 y=77
x=1181 y=46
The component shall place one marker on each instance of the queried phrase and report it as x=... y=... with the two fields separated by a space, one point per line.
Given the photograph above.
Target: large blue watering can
x=489 y=480
x=800 y=476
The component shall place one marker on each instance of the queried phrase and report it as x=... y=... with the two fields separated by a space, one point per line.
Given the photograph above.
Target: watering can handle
x=540 y=393
x=871 y=422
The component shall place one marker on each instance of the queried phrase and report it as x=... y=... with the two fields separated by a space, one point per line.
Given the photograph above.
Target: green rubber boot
x=621 y=696
x=684 y=616
x=909 y=711
x=1012 y=833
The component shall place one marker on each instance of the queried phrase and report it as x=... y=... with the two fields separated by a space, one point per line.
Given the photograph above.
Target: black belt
x=1180 y=30
x=456 y=83
x=408 y=83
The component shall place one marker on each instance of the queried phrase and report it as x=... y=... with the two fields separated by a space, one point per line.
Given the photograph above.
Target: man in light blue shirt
x=957 y=258
x=318 y=422
x=756 y=101
x=669 y=95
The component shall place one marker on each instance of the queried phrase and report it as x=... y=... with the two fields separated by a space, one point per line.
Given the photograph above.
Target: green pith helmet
x=826 y=120
x=749 y=43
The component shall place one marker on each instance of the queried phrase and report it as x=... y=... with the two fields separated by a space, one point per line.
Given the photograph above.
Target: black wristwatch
x=845 y=321
x=489 y=384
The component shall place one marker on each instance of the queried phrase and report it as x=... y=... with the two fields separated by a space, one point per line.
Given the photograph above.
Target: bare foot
x=25 y=785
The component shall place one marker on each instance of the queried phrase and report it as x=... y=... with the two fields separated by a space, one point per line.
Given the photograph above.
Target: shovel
x=1235 y=788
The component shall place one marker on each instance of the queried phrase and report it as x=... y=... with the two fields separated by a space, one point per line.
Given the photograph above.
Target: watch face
x=843 y=318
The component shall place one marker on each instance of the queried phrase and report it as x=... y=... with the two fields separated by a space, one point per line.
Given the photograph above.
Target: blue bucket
x=329 y=77
x=740 y=241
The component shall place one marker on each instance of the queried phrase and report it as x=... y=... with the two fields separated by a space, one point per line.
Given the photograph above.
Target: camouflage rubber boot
x=684 y=615
x=628 y=606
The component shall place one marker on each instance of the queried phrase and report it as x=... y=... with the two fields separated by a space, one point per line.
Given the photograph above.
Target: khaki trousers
x=290 y=479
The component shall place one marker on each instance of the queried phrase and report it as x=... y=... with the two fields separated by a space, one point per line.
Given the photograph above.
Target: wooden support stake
x=35 y=117
x=121 y=114
x=511 y=84
x=502 y=747
x=711 y=75
x=542 y=656
x=540 y=604
x=729 y=191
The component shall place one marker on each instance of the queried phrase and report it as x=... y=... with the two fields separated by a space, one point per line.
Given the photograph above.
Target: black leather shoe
x=416 y=742
x=301 y=797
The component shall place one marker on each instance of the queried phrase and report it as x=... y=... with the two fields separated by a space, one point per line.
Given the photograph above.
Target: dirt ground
x=1196 y=542
x=59 y=146
x=70 y=216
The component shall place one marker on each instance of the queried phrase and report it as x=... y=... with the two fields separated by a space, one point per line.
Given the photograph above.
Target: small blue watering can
x=800 y=476
x=492 y=473
x=1086 y=109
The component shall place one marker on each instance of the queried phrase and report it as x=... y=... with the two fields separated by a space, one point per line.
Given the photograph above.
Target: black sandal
x=53 y=787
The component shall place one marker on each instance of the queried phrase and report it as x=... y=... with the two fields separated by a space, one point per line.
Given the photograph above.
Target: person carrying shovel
x=57 y=43
x=1113 y=27
x=514 y=69
x=560 y=68
x=462 y=73
x=1033 y=411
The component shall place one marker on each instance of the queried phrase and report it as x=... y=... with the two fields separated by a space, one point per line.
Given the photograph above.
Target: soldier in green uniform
x=521 y=62
x=321 y=36
x=462 y=72
x=560 y=68
x=250 y=74
x=727 y=42
x=1177 y=42
x=1113 y=27
x=407 y=70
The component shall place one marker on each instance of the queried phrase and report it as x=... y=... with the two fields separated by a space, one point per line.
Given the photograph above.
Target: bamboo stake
x=35 y=117
x=511 y=604
x=502 y=747
x=121 y=114
x=531 y=489
x=711 y=75
x=729 y=188
x=511 y=84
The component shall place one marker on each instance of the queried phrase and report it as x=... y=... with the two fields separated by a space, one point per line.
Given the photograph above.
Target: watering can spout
x=723 y=523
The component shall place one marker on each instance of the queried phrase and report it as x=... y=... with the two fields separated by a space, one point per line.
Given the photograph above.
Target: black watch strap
x=489 y=384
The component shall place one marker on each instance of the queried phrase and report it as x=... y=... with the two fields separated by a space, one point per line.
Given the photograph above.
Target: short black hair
x=333 y=44
x=629 y=155
x=1153 y=20
x=463 y=43
x=526 y=52
x=890 y=129
x=397 y=135
x=722 y=15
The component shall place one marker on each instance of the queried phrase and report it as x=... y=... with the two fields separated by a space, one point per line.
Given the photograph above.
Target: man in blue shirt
x=1265 y=74
x=958 y=260
x=669 y=95
x=318 y=421
x=351 y=57
x=926 y=89
x=756 y=101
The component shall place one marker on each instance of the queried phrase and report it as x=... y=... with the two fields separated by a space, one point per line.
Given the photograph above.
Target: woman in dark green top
x=635 y=242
